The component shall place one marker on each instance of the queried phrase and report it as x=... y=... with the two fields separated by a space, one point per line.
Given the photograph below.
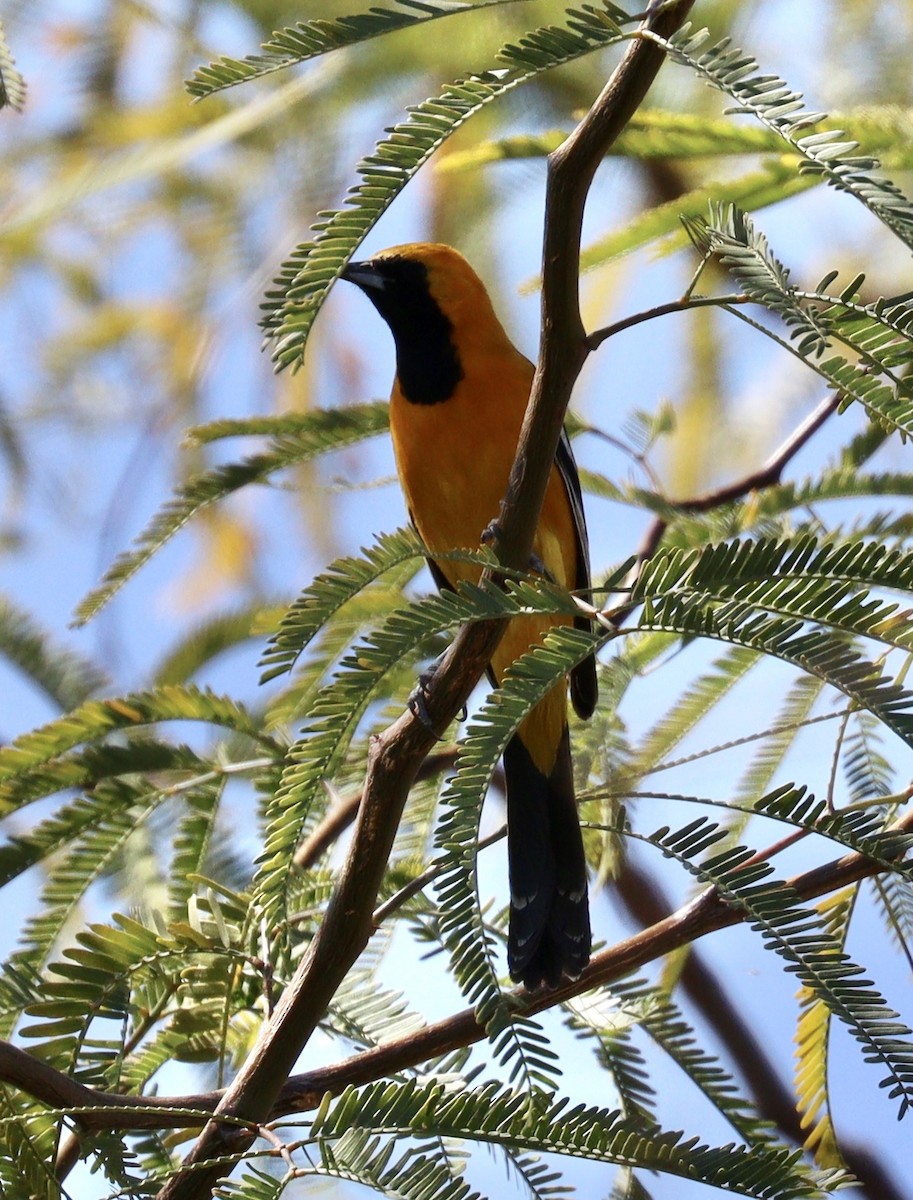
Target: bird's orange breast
x=454 y=459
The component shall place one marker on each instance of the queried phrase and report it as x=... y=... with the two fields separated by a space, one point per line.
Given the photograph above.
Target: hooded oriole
x=458 y=400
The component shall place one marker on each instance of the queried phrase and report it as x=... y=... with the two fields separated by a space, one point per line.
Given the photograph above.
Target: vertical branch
x=562 y=347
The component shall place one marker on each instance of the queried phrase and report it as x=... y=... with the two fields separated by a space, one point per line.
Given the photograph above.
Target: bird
x=458 y=400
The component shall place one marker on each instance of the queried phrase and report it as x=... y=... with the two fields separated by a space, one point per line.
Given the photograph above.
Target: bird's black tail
x=549 y=911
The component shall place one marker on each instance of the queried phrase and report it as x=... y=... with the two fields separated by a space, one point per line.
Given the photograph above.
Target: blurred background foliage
x=139 y=231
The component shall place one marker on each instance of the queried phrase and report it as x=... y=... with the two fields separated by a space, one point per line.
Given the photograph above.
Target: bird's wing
x=584 y=687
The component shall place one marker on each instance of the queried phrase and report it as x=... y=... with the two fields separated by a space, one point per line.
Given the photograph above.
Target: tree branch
x=344 y=811
x=396 y=754
x=563 y=345
x=705 y=914
x=685 y=304
x=765 y=476
x=771 y=472
x=645 y=900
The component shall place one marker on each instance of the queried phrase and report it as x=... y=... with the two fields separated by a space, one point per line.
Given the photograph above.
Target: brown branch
x=396 y=754
x=705 y=914
x=685 y=304
x=111 y=1110
x=768 y=475
x=343 y=812
x=646 y=902
x=563 y=346
x=771 y=472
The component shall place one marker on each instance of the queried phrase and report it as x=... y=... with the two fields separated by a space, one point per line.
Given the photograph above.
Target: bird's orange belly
x=454 y=477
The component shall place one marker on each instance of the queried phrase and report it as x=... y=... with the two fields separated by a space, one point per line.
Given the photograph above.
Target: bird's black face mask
x=427 y=363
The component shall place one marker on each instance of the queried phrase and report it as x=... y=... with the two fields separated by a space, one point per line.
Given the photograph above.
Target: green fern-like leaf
x=253 y=1185
x=366 y=419
x=96 y=763
x=310 y=39
x=601 y=1016
x=341 y=703
x=357 y=1157
x=894 y=898
x=868 y=773
x=63 y=828
x=88 y=859
x=812 y=1040
x=192 y=840
x=650 y=133
x=366 y=1013
x=797 y=935
x=780 y=109
x=745 y=581
x=195 y=980
x=12 y=85
x=29 y=1135
x=658 y=1015
x=836 y=483
x=306 y=277
x=330 y=591
x=64 y=676
x=758 y=776
x=861 y=830
x=773 y=182
x=96 y=719
x=212 y=637
x=731 y=234
x=655 y=133
x=700 y=699
x=540 y=1179
x=627 y=1186
x=462 y=927
x=879 y=332
x=315 y=434
x=494 y=1115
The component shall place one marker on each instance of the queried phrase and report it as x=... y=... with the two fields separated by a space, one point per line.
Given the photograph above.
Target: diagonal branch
x=771 y=471
x=644 y=899
x=685 y=304
x=767 y=475
x=705 y=914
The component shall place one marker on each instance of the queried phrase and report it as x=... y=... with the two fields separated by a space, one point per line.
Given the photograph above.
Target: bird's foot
x=491 y=533
x=534 y=564
x=417 y=703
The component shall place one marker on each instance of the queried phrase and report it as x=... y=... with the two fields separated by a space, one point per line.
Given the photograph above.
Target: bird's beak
x=364 y=275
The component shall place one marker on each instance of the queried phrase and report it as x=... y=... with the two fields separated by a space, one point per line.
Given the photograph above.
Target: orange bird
x=459 y=396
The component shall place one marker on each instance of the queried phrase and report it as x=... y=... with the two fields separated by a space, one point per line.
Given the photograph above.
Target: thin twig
x=771 y=472
x=684 y=304
x=420 y=881
x=768 y=475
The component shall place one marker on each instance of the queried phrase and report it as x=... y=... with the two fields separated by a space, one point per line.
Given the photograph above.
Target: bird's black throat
x=427 y=362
